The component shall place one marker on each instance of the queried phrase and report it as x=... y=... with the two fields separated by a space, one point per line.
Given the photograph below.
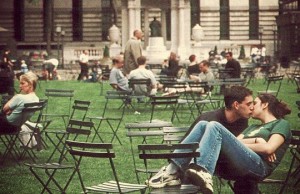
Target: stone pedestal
x=114 y=50
x=156 y=51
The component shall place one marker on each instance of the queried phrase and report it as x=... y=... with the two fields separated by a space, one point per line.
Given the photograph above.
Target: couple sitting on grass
x=230 y=149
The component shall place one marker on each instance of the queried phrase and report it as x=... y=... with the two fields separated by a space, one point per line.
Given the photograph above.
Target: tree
x=216 y=50
x=242 y=53
x=106 y=52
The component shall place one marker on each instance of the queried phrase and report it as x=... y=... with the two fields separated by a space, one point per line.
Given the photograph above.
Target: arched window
x=253 y=19
x=224 y=19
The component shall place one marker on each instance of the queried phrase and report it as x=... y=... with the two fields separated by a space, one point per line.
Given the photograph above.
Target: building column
x=184 y=29
x=146 y=30
x=125 y=23
x=174 y=25
x=164 y=26
x=134 y=12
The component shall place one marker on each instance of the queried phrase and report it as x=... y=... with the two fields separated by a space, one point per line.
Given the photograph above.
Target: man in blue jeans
x=234 y=117
x=254 y=154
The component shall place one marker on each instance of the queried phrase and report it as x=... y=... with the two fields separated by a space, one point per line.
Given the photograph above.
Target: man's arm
x=136 y=50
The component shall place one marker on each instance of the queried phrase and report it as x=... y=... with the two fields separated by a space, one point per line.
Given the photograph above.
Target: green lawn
x=18 y=179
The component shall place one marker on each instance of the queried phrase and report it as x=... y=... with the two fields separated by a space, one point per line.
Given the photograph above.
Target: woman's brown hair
x=278 y=108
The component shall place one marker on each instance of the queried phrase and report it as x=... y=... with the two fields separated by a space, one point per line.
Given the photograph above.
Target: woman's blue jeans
x=216 y=141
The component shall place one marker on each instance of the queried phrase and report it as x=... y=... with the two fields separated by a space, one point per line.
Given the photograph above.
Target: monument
x=114 y=37
x=156 y=51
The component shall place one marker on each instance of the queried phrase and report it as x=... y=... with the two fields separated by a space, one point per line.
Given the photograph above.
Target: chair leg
x=9 y=142
x=57 y=145
x=115 y=135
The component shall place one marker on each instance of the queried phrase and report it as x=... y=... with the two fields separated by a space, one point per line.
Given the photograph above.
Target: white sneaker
x=201 y=178
x=162 y=179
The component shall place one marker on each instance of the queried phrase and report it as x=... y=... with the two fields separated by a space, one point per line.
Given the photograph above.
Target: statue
x=155 y=27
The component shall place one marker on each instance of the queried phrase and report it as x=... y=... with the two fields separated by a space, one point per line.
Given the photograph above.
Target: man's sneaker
x=162 y=179
x=200 y=177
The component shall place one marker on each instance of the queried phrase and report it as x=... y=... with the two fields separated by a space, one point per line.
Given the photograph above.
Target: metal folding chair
x=57 y=137
x=273 y=85
x=119 y=98
x=203 y=97
x=174 y=134
x=80 y=150
x=166 y=101
x=104 y=77
x=10 y=139
x=53 y=169
x=53 y=95
x=142 y=133
x=150 y=152
x=138 y=86
x=185 y=102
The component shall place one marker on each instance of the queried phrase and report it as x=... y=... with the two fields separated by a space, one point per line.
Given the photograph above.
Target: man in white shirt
x=51 y=66
x=142 y=73
x=83 y=62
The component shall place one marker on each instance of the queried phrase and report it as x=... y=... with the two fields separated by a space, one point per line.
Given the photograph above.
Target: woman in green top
x=253 y=154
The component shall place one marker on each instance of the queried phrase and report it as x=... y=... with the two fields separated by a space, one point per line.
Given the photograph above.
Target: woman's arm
x=6 y=109
x=263 y=147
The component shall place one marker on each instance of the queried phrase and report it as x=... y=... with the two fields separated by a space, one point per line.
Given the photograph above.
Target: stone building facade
x=225 y=23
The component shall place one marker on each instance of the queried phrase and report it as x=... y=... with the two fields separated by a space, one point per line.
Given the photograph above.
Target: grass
x=18 y=179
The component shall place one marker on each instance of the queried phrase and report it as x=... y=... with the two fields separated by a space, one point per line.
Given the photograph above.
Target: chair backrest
x=77 y=127
x=142 y=133
x=174 y=134
x=92 y=150
x=276 y=81
x=199 y=87
x=53 y=95
x=31 y=108
x=225 y=73
x=164 y=100
x=233 y=81
x=79 y=109
x=140 y=86
x=116 y=97
x=166 y=151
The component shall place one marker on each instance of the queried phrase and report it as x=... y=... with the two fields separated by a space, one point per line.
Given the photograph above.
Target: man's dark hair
x=141 y=60
x=115 y=61
x=229 y=53
x=205 y=62
x=235 y=93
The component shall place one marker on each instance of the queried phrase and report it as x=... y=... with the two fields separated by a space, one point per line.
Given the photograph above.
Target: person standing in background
x=6 y=62
x=234 y=65
x=84 y=66
x=7 y=73
x=133 y=50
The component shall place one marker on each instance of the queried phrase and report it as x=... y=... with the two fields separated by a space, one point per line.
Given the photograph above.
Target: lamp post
x=62 y=47
x=261 y=31
x=58 y=34
x=274 y=38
